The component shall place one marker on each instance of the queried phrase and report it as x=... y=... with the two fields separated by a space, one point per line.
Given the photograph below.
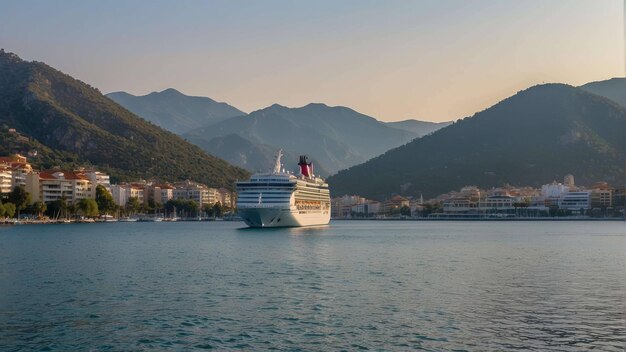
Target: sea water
x=353 y=285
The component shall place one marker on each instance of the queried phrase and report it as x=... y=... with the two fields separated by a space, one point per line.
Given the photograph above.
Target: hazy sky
x=431 y=60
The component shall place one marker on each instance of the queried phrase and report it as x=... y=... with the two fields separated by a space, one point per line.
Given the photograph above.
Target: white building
x=459 y=205
x=368 y=208
x=19 y=167
x=498 y=202
x=554 y=190
x=575 y=201
x=98 y=178
x=123 y=192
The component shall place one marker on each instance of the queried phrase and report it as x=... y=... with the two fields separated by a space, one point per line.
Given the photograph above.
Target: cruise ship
x=281 y=199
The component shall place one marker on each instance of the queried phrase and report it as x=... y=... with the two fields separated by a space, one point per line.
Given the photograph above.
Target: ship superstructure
x=281 y=199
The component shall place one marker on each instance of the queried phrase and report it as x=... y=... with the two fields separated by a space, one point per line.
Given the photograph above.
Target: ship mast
x=277 y=165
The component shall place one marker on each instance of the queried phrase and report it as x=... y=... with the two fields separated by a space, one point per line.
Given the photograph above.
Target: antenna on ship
x=277 y=165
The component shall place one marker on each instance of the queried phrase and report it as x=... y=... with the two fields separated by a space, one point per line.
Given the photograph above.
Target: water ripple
x=352 y=286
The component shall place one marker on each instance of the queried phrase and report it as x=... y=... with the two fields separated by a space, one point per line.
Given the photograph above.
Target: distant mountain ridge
x=337 y=137
x=227 y=133
x=420 y=128
x=613 y=89
x=76 y=125
x=175 y=111
x=531 y=138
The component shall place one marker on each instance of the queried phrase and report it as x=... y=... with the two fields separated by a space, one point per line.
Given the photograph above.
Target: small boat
x=127 y=219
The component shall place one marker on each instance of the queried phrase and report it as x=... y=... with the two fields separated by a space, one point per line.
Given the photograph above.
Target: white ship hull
x=277 y=217
x=280 y=199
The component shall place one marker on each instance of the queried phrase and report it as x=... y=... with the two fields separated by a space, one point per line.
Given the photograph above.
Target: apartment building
x=19 y=168
x=6 y=177
x=195 y=191
x=52 y=185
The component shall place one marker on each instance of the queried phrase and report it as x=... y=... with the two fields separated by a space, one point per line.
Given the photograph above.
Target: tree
x=192 y=207
x=217 y=209
x=405 y=210
x=87 y=207
x=9 y=209
x=2 y=211
x=104 y=199
x=39 y=208
x=133 y=205
x=20 y=198
x=55 y=208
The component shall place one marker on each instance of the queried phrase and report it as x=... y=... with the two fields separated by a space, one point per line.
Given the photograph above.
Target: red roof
x=67 y=175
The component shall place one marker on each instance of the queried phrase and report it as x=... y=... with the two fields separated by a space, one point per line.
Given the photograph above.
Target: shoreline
x=39 y=222
x=489 y=219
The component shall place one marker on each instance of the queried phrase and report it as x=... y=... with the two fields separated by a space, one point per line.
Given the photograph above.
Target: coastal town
x=551 y=200
x=88 y=195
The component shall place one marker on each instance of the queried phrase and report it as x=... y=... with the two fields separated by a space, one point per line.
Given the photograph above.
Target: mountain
x=532 y=138
x=613 y=89
x=337 y=137
x=175 y=111
x=420 y=128
x=253 y=157
x=71 y=123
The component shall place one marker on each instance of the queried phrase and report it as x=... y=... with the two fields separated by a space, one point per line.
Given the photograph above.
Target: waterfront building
x=97 y=178
x=459 y=205
x=52 y=185
x=6 y=177
x=554 y=190
x=394 y=204
x=214 y=196
x=123 y=192
x=601 y=195
x=195 y=191
x=226 y=197
x=341 y=207
x=471 y=192
x=368 y=208
x=575 y=201
x=160 y=193
x=119 y=194
x=19 y=168
x=499 y=202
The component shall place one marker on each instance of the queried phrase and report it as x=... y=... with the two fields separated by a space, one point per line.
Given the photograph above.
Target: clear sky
x=430 y=60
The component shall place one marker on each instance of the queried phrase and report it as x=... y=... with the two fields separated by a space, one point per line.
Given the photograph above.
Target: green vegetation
x=9 y=210
x=537 y=136
x=38 y=208
x=104 y=199
x=20 y=198
x=70 y=123
x=132 y=205
x=182 y=206
x=87 y=207
x=56 y=209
